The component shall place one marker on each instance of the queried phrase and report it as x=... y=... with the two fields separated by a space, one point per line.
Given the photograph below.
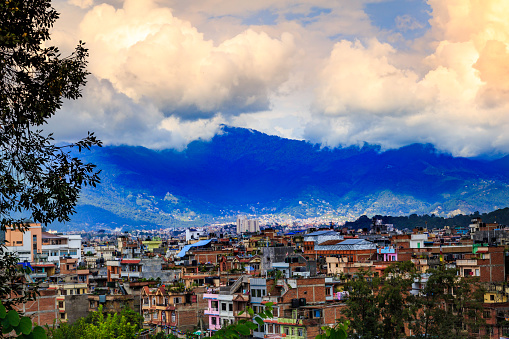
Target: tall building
x=247 y=225
x=27 y=245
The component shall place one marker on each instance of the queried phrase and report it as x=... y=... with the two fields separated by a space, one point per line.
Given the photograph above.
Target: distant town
x=199 y=280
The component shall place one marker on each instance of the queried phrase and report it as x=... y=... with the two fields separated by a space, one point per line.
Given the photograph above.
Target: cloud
x=147 y=53
x=167 y=72
x=407 y=22
x=459 y=102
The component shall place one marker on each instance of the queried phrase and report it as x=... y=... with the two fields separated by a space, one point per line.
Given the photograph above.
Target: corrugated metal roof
x=326 y=232
x=348 y=245
x=186 y=248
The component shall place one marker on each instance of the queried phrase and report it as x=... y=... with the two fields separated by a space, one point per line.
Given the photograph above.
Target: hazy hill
x=247 y=171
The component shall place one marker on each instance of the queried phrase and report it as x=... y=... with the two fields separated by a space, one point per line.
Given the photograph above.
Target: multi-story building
x=25 y=244
x=247 y=225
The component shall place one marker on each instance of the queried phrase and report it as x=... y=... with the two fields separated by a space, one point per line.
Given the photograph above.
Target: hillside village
x=204 y=280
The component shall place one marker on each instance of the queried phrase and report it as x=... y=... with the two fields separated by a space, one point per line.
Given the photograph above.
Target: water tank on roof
x=194 y=263
x=302 y=302
x=295 y=303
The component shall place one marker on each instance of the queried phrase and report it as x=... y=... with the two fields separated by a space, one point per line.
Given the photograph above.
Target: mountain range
x=245 y=171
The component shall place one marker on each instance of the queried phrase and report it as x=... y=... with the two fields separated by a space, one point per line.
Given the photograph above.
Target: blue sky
x=166 y=72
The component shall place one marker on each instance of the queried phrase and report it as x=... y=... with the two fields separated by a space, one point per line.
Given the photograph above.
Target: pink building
x=213 y=312
x=388 y=253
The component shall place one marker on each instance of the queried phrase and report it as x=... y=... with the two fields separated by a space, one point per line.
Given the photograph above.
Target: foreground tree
x=39 y=180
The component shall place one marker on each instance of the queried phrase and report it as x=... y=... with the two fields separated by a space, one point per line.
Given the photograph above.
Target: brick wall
x=43 y=310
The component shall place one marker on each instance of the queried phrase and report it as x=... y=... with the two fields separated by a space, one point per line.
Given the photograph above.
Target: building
x=247 y=225
x=27 y=245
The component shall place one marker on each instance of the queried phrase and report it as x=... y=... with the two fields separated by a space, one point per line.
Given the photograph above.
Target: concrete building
x=247 y=225
x=27 y=245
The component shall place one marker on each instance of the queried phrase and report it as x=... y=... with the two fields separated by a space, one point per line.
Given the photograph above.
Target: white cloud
x=168 y=72
x=146 y=52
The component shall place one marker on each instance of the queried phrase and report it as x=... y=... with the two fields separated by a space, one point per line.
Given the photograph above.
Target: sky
x=336 y=73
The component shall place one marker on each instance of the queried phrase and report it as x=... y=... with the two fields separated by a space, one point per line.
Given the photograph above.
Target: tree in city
x=123 y=325
x=397 y=305
x=362 y=307
x=40 y=180
x=450 y=305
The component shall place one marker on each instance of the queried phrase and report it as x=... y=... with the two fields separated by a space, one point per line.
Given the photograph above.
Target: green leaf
x=6 y=328
x=241 y=312
x=252 y=325
x=269 y=314
x=259 y=320
x=39 y=333
x=243 y=329
x=13 y=318
x=3 y=312
x=25 y=325
x=250 y=311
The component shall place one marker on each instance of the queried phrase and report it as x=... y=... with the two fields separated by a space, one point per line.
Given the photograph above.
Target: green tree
x=449 y=305
x=362 y=307
x=98 y=325
x=40 y=180
x=396 y=303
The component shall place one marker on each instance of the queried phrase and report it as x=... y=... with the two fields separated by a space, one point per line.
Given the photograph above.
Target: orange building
x=25 y=244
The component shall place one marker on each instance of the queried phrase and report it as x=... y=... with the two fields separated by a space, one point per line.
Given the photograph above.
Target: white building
x=247 y=225
x=417 y=240
x=193 y=234
x=55 y=247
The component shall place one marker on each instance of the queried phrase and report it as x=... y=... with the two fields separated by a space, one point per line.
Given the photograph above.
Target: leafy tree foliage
x=97 y=325
x=38 y=177
x=381 y=307
x=449 y=305
x=22 y=326
x=362 y=310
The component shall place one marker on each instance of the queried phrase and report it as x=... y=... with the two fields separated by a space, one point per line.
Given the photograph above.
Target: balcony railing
x=466 y=262
x=211 y=311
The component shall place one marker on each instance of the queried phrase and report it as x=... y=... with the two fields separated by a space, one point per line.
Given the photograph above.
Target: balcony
x=214 y=327
x=114 y=276
x=39 y=275
x=127 y=274
x=284 y=321
x=466 y=262
x=210 y=296
x=211 y=311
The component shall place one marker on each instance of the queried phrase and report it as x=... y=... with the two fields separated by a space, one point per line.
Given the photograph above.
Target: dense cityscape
x=195 y=282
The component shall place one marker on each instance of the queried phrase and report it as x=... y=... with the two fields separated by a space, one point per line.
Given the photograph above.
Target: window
x=286 y=330
x=62 y=315
x=486 y=314
x=213 y=320
x=230 y=307
x=173 y=317
x=176 y=300
x=263 y=293
x=92 y=304
x=154 y=316
x=300 y=332
x=492 y=297
x=60 y=304
x=223 y=306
